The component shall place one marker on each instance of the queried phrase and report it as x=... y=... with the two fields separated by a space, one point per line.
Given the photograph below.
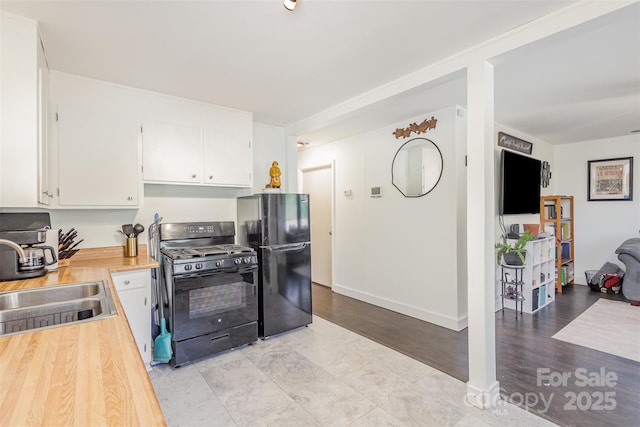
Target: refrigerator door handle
x=286 y=248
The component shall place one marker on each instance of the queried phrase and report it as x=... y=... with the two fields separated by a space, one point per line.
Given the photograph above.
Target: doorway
x=317 y=182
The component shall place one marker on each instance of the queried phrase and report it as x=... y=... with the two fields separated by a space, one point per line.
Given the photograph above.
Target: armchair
x=629 y=253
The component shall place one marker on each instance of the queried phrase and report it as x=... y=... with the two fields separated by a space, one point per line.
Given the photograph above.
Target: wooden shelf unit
x=556 y=216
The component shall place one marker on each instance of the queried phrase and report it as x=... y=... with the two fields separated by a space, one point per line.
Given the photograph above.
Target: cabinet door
x=136 y=307
x=228 y=158
x=171 y=152
x=44 y=192
x=134 y=291
x=19 y=112
x=97 y=158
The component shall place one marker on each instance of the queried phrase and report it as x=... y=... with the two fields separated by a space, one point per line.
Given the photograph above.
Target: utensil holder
x=131 y=247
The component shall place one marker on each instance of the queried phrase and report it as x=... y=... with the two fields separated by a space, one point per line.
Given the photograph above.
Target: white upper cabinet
x=171 y=153
x=110 y=139
x=20 y=107
x=98 y=162
x=215 y=153
x=227 y=149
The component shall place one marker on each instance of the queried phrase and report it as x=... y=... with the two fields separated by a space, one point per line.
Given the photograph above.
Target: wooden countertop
x=88 y=374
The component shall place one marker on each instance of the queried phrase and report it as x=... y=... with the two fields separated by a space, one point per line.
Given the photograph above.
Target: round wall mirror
x=417 y=167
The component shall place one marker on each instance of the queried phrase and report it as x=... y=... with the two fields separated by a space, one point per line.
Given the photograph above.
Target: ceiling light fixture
x=290 y=4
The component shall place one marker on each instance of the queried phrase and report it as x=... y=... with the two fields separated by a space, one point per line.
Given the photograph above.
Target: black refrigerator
x=277 y=226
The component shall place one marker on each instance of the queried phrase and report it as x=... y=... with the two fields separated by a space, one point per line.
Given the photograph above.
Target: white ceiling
x=285 y=66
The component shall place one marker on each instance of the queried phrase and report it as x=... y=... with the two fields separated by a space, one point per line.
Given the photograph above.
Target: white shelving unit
x=538 y=276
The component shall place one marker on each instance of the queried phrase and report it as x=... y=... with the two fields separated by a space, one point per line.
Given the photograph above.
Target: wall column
x=482 y=388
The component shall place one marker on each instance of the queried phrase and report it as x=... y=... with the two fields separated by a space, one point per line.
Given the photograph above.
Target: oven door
x=204 y=304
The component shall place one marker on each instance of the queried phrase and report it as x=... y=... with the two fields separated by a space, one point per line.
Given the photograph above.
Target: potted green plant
x=513 y=253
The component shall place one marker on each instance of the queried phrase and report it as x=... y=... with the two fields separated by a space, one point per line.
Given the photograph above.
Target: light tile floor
x=322 y=375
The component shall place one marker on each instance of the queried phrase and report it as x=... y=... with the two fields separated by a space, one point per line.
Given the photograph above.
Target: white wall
x=269 y=145
x=541 y=150
x=396 y=252
x=600 y=226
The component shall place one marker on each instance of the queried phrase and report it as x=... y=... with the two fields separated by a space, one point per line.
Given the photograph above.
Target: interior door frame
x=331 y=165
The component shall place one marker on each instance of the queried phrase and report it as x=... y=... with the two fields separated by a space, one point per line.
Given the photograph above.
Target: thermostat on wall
x=376 y=191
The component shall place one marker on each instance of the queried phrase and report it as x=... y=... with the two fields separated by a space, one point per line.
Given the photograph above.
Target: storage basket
x=603 y=281
x=593 y=279
x=589 y=274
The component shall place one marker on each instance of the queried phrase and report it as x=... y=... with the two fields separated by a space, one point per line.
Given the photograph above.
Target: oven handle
x=211 y=273
x=220 y=337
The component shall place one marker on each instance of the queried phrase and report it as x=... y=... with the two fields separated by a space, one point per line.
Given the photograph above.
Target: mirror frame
x=439 y=176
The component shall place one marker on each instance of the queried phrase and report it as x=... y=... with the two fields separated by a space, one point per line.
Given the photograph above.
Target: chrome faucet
x=14 y=245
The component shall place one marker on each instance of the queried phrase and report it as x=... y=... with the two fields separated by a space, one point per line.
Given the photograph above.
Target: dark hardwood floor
x=524 y=345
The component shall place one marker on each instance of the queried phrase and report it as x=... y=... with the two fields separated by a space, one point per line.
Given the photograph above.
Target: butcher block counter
x=85 y=374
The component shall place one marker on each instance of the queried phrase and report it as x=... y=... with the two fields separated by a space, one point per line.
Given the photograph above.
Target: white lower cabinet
x=134 y=291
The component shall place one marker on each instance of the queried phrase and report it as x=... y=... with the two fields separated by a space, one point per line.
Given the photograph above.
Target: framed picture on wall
x=610 y=179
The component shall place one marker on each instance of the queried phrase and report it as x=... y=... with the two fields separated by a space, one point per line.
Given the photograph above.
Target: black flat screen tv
x=519 y=184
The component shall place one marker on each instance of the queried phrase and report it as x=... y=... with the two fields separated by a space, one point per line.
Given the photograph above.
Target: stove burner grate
x=217 y=251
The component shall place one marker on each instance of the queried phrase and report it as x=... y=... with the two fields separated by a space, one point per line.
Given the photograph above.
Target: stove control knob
x=237 y=261
x=247 y=260
x=187 y=267
x=219 y=263
x=198 y=266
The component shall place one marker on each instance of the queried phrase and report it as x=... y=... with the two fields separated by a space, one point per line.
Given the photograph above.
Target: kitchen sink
x=32 y=309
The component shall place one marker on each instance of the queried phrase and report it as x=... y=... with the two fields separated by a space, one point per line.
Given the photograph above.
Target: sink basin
x=28 y=309
x=32 y=297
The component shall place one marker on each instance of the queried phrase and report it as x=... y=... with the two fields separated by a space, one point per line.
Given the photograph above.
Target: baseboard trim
x=483 y=399
x=419 y=313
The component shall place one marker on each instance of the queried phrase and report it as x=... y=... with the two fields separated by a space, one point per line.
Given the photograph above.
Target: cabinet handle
x=145 y=301
x=130 y=198
x=145 y=348
x=193 y=176
x=126 y=282
x=210 y=176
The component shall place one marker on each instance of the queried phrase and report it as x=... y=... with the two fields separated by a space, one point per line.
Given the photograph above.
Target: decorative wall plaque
x=416 y=128
x=513 y=143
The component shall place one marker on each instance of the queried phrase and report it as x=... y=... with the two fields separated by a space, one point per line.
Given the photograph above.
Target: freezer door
x=249 y=227
x=285 y=289
x=285 y=219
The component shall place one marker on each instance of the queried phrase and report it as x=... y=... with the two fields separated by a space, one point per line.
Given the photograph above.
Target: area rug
x=609 y=326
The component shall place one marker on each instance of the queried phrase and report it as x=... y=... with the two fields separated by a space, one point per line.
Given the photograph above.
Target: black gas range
x=211 y=285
